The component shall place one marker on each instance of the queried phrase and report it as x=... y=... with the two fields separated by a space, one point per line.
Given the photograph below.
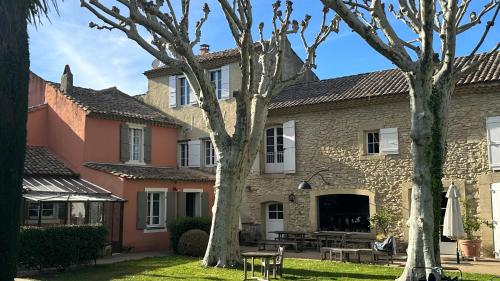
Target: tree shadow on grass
x=300 y=274
x=121 y=270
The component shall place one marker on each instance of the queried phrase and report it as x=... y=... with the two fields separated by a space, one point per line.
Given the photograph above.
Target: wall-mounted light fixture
x=305 y=184
x=291 y=197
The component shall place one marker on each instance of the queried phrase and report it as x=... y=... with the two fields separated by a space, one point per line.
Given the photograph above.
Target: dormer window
x=184 y=91
x=216 y=77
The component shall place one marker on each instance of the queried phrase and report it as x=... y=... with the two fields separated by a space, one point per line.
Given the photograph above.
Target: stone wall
x=332 y=136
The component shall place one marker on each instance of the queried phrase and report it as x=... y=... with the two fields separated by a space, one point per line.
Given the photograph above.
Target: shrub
x=193 y=243
x=60 y=246
x=183 y=224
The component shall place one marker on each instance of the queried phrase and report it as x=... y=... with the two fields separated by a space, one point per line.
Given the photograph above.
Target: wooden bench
x=344 y=254
x=263 y=243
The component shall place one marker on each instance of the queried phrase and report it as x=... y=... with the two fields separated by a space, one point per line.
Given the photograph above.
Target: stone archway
x=261 y=215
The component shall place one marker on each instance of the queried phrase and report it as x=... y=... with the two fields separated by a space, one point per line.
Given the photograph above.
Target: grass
x=184 y=268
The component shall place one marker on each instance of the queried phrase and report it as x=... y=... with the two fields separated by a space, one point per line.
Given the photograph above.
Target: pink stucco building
x=118 y=143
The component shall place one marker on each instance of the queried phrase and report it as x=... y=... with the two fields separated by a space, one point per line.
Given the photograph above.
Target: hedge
x=60 y=246
x=183 y=224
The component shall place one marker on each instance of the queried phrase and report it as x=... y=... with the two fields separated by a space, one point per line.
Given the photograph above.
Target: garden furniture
x=277 y=264
x=263 y=243
x=265 y=257
x=344 y=254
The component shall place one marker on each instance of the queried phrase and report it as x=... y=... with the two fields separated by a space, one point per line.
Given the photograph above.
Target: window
x=274 y=145
x=209 y=154
x=193 y=204
x=184 y=91
x=136 y=144
x=153 y=217
x=372 y=143
x=183 y=154
x=275 y=211
x=48 y=210
x=216 y=77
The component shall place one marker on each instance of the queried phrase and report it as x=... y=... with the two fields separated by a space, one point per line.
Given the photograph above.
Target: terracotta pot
x=470 y=248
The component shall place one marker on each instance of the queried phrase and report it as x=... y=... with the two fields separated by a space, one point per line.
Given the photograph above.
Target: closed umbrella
x=453 y=226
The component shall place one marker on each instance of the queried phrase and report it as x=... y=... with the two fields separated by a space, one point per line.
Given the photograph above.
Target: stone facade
x=191 y=117
x=332 y=135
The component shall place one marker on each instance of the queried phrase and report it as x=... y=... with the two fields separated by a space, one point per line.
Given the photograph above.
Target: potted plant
x=470 y=245
x=383 y=221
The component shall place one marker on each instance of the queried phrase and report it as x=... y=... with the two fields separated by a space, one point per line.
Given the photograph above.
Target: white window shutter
x=172 y=91
x=493 y=130
x=389 y=143
x=192 y=95
x=256 y=165
x=194 y=153
x=225 y=82
x=289 y=147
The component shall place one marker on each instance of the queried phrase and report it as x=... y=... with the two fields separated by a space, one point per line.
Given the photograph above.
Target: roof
x=40 y=161
x=373 y=84
x=209 y=60
x=64 y=189
x=114 y=104
x=141 y=172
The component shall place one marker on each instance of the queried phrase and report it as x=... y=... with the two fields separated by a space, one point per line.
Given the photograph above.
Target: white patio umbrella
x=453 y=226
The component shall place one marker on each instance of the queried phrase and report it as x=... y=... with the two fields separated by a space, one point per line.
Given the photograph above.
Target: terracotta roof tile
x=140 y=172
x=210 y=60
x=112 y=103
x=40 y=161
x=373 y=84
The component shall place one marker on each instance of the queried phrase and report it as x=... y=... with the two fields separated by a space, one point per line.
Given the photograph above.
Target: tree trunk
x=14 y=79
x=421 y=223
x=439 y=103
x=223 y=248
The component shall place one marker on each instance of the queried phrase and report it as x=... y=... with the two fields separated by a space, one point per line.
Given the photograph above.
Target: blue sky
x=101 y=58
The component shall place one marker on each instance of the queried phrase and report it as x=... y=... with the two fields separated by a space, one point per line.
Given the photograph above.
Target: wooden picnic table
x=341 y=239
x=285 y=234
x=265 y=257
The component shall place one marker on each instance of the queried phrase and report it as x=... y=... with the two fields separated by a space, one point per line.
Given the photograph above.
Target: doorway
x=274 y=219
x=495 y=210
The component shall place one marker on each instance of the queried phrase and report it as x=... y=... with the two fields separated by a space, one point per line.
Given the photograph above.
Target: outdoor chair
x=278 y=266
x=385 y=248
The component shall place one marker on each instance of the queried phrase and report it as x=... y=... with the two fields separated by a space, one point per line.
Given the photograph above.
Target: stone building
x=357 y=127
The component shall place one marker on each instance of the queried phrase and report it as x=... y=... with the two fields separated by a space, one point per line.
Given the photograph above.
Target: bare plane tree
x=431 y=75
x=262 y=78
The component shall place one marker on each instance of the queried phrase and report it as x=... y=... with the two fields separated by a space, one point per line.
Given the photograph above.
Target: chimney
x=204 y=49
x=66 y=80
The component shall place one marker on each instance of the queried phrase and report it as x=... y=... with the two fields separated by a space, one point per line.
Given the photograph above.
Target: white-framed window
x=274 y=149
x=48 y=210
x=183 y=154
x=372 y=142
x=155 y=209
x=136 y=141
x=185 y=89
x=216 y=77
x=209 y=153
x=275 y=211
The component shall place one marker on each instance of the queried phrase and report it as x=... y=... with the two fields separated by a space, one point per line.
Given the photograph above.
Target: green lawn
x=183 y=268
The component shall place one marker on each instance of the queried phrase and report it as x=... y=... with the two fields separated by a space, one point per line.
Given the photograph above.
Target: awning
x=63 y=189
x=35 y=196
